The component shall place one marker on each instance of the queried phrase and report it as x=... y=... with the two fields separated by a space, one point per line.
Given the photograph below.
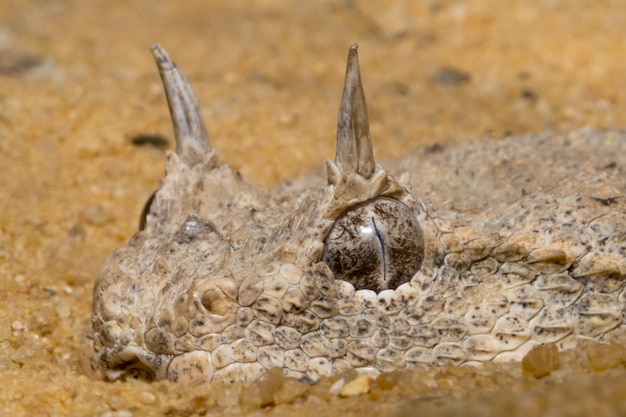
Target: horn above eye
x=375 y=245
x=354 y=144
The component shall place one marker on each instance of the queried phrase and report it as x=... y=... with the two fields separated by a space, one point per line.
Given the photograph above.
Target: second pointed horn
x=354 y=144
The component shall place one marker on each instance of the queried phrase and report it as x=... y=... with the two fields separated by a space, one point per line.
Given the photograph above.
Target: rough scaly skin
x=524 y=244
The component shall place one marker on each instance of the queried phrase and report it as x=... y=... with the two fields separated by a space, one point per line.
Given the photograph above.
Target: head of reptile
x=226 y=280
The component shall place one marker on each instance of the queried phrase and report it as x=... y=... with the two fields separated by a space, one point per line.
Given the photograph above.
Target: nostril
x=131 y=362
x=214 y=307
x=131 y=369
x=136 y=370
x=215 y=302
x=218 y=295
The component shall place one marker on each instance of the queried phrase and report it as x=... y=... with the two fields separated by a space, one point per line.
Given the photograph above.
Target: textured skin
x=525 y=243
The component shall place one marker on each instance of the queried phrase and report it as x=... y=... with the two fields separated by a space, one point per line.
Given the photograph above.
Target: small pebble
x=147 y=397
x=359 y=385
x=18 y=325
x=603 y=357
x=451 y=76
x=118 y=413
x=149 y=139
x=50 y=291
x=96 y=215
x=541 y=361
x=335 y=389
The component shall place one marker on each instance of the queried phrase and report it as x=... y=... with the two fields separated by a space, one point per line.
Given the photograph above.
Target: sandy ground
x=77 y=83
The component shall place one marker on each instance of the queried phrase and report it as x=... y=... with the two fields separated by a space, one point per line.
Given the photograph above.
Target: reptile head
x=226 y=279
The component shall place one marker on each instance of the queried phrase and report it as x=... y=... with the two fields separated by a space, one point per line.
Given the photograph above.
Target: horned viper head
x=227 y=279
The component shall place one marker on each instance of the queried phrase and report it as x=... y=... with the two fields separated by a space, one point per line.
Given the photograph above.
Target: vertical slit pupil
x=380 y=239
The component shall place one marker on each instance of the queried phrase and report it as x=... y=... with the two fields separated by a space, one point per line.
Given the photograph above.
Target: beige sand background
x=77 y=83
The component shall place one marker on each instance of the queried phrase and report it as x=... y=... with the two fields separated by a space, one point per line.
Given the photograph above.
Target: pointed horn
x=192 y=140
x=354 y=144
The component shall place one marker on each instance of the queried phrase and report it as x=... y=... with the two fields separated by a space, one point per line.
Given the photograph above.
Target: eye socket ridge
x=375 y=245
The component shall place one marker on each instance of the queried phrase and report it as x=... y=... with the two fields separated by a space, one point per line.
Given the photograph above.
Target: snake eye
x=375 y=245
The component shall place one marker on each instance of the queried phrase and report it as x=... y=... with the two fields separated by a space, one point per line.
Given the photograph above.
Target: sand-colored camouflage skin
x=523 y=243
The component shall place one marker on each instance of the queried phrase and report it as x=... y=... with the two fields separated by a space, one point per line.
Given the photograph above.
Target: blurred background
x=84 y=124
